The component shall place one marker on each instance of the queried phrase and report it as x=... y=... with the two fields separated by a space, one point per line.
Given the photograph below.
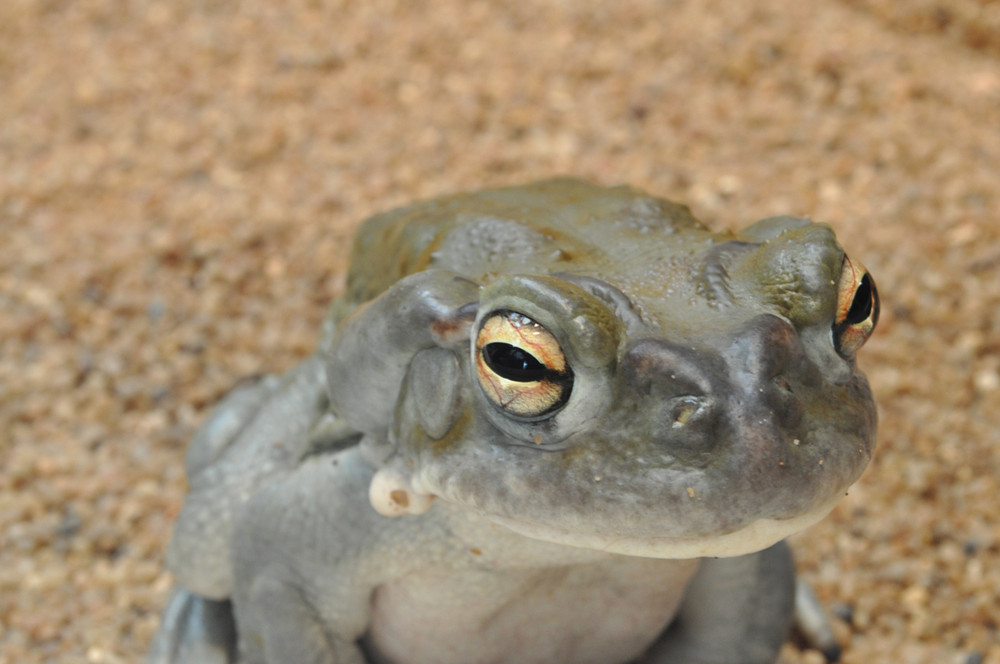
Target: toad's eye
x=857 y=308
x=520 y=365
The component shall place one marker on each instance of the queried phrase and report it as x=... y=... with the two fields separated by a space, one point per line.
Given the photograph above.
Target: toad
x=553 y=423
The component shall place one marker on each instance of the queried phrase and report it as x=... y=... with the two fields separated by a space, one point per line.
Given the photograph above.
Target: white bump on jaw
x=390 y=494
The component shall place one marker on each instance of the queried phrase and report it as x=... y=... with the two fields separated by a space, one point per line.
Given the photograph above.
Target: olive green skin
x=657 y=316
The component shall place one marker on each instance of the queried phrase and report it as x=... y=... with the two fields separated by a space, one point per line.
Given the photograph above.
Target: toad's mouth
x=754 y=536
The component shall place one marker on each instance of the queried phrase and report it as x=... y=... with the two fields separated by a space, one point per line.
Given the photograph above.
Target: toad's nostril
x=685 y=409
x=687 y=414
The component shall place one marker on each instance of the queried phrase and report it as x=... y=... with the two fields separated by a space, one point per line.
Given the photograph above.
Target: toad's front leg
x=282 y=626
x=736 y=611
x=303 y=583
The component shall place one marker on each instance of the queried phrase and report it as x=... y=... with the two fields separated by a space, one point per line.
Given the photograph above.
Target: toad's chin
x=755 y=536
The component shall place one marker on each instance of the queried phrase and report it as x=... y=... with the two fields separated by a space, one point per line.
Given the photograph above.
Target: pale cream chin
x=753 y=537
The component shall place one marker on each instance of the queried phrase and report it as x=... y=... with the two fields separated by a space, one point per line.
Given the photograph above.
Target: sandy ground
x=178 y=181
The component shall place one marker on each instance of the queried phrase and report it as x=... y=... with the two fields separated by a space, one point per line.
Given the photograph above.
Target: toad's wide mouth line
x=755 y=536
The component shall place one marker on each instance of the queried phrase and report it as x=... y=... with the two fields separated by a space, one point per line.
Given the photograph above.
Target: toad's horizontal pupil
x=513 y=363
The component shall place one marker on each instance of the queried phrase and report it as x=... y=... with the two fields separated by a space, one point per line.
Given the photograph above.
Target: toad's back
x=553 y=226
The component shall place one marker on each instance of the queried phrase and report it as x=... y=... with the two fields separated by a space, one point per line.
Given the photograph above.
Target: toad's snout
x=678 y=395
x=698 y=397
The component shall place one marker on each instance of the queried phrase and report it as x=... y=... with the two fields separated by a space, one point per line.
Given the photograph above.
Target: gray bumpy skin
x=550 y=423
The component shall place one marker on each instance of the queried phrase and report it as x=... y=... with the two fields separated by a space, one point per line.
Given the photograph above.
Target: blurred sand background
x=179 y=181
